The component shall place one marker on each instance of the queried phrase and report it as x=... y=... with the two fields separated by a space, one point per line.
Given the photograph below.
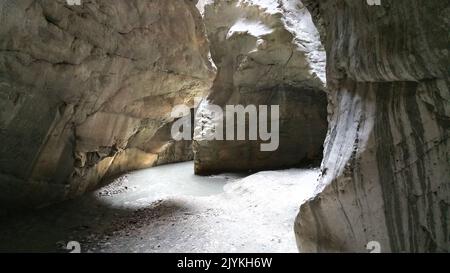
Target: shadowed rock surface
x=86 y=91
x=386 y=172
x=266 y=53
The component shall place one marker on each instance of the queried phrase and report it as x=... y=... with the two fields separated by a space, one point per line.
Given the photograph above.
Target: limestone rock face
x=86 y=91
x=266 y=53
x=386 y=172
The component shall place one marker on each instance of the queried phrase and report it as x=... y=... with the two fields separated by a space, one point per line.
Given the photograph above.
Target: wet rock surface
x=385 y=175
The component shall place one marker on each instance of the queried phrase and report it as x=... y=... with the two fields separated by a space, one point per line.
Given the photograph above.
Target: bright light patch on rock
x=254 y=28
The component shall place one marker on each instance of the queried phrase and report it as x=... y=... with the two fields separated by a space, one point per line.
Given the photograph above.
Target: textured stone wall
x=386 y=171
x=267 y=53
x=86 y=91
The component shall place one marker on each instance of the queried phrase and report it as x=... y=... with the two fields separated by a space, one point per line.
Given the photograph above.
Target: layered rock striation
x=386 y=172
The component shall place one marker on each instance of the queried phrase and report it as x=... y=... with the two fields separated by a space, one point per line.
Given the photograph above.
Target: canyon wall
x=267 y=52
x=86 y=91
x=386 y=171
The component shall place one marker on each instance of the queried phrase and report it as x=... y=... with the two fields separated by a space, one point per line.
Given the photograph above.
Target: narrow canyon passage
x=97 y=90
x=169 y=209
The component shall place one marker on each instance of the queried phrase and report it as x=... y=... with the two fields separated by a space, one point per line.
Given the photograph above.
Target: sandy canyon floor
x=169 y=209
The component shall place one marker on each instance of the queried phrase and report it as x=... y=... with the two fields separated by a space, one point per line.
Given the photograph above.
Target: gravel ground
x=168 y=209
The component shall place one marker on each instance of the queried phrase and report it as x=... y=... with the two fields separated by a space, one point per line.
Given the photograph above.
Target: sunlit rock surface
x=267 y=53
x=386 y=172
x=86 y=91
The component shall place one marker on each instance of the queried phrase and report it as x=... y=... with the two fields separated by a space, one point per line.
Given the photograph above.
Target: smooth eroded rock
x=86 y=91
x=386 y=172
